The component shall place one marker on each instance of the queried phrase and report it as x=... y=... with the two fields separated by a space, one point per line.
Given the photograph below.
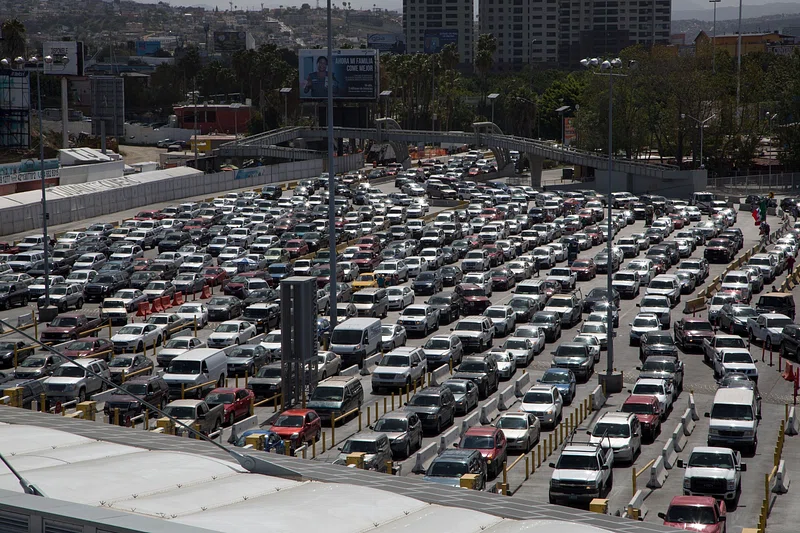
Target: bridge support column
x=619 y=182
x=536 y=170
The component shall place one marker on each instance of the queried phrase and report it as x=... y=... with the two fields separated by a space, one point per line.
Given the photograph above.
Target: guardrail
x=636 y=473
x=275 y=399
x=127 y=376
x=185 y=389
x=88 y=332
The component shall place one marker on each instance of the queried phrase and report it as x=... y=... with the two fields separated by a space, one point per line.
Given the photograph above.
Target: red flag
x=757 y=217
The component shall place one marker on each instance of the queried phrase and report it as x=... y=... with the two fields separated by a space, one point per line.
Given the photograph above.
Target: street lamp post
x=331 y=177
x=492 y=97
x=770 y=118
x=702 y=125
x=714 y=38
x=285 y=92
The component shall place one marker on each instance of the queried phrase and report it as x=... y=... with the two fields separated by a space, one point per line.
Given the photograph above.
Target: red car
x=142 y=264
x=323 y=274
x=703 y=514
x=502 y=279
x=366 y=261
x=149 y=214
x=677 y=221
x=496 y=256
x=296 y=248
x=475 y=299
x=586 y=216
x=647 y=410
x=490 y=213
x=491 y=442
x=89 y=347
x=585 y=269
x=298 y=426
x=215 y=276
x=8 y=248
x=372 y=244
x=690 y=332
x=235 y=401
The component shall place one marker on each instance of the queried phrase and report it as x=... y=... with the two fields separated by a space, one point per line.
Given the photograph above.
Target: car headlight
x=731 y=484
x=687 y=483
x=747 y=433
x=549 y=411
x=713 y=431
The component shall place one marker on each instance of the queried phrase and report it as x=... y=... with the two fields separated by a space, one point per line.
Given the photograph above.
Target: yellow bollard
x=415 y=388
x=16 y=362
x=368 y=417
x=384 y=407
x=146 y=423
x=505 y=478
x=275 y=404
x=572 y=421
x=245 y=384
x=333 y=433
x=116 y=416
x=539 y=455
x=408 y=394
x=237 y=381
x=550 y=445
x=393 y=401
x=359 y=419
x=287 y=447
x=451 y=367
x=195 y=326
x=145 y=349
x=527 y=468
x=252 y=405
x=324 y=436
x=183 y=391
x=633 y=481
x=35 y=326
x=43 y=402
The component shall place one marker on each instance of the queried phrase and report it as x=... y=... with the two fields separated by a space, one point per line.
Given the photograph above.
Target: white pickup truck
x=583 y=472
x=713 y=471
x=767 y=328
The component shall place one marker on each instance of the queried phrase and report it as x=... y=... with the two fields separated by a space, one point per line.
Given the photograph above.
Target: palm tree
x=13 y=38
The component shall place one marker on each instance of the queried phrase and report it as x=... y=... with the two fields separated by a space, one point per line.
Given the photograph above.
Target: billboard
x=570 y=135
x=59 y=49
x=108 y=105
x=147 y=48
x=28 y=171
x=394 y=43
x=436 y=39
x=232 y=41
x=355 y=74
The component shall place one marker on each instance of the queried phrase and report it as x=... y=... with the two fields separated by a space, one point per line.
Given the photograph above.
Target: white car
x=231 y=332
x=393 y=268
x=400 y=297
x=592 y=342
x=136 y=337
x=272 y=342
x=544 y=402
x=598 y=329
x=503 y=317
x=728 y=360
x=81 y=277
x=643 y=323
x=644 y=267
x=521 y=349
x=192 y=311
x=130 y=297
x=534 y=333
x=522 y=430
x=416 y=264
x=660 y=388
x=481 y=279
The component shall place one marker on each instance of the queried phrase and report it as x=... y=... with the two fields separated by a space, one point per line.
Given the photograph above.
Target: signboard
x=232 y=41
x=15 y=109
x=108 y=105
x=570 y=135
x=394 y=43
x=28 y=170
x=436 y=39
x=73 y=50
x=147 y=48
x=355 y=74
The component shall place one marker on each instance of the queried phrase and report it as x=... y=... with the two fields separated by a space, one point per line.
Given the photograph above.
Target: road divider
x=792 y=426
x=598 y=398
x=636 y=509
x=470 y=420
x=350 y=371
x=669 y=454
x=448 y=438
x=688 y=423
x=658 y=474
x=522 y=384
x=693 y=407
x=694 y=305
x=439 y=375
x=781 y=483
x=679 y=437
x=489 y=411
x=237 y=428
x=423 y=457
x=507 y=397
x=370 y=363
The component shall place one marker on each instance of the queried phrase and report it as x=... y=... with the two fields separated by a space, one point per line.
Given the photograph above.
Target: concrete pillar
x=64 y=113
x=619 y=182
x=536 y=170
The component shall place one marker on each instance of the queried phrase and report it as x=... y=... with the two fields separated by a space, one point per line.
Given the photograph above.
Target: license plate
x=573 y=496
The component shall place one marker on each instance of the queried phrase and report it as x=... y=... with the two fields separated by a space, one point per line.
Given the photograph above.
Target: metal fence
x=756 y=184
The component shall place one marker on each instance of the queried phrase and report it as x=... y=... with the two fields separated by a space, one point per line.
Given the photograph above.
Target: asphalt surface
x=698 y=377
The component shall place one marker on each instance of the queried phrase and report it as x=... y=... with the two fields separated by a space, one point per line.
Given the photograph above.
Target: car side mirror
x=552 y=465
x=743 y=467
x=707 y=415
x=455 y=445
x=662 y=516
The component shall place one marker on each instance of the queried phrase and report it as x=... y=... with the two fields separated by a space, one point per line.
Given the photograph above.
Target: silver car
x=404 y=430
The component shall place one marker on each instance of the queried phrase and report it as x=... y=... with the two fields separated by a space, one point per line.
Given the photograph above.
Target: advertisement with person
x=387 y=43
x=436 y=39
x=354 y=72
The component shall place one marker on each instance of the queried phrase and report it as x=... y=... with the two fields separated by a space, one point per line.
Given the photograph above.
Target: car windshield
x=690 y=514
x=654 y=302
x=135 y=389
x=395 y=360
x=289 y=421
x=515 y=344
x=537 y=397
x=76 y=346
x=425 y=400
x=69 y=372
x=184 y=367
x=475 y=442
x=737 y=357
x=496 y=313
x=652 y=365
x=327 y=394
x=744 y=312
x=177 y=343
x=729 y=342
x=438 y=344
x=64 y=322
x=570 y=350
x=33 y=362
x=456 y=387
x=391 y=425
x=440 y=468
x=355 y=446
x=605 y=429
x=217 y=398
x=662 y=338
x=577 y=462
x=130 y=330
x=711 y=460
x=648 y=388
x=227 y=328
x=555 y=377
x=623 y=276
x=121 y=362
x=661 y=284
x=540 y=318
x=728 y=411
x=637 y=408
x=180 y=411
x=512 y=422
x=269 y=372
x=778 y=322
x=720 y=299
x=593 y=328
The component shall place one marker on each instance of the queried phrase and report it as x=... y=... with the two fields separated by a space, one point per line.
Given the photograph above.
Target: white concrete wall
x=139 y=134
x=71 y=175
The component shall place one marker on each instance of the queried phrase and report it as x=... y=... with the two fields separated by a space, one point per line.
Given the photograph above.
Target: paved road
x=698 y=378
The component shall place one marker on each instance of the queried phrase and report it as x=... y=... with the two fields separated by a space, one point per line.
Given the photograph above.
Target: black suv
x=105 y=284
x=435 y=406
x=172 y=242
x=449 y=304
x=790 y=342
x=657 y=343
x=152 y=389
x=482 y=371
x=451 y=465
x=13 y=294
x=32 y=389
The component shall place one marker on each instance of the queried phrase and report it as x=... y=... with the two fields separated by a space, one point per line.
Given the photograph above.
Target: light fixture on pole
x=285 y=92
x=770 y=117
x=561 y=110
x=492 y=97
x=331 y=177
x=702 y=125
x=609 y=66
x=714 y=38
x=385 y=95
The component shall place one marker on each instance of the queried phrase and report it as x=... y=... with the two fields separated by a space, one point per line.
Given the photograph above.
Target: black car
x=9 y=349
x=14 y=294
x=173 y=241
x=140 y=280
x=451 y=275
x=790 y=342
x=524 y=308
x=271 y=192
x=151 y=389
x=222 y=308
x=258 y=296
x=435 y=406
x=482 y=371
x=657 y=343
x=104 y=285
x=267 y=382
x=449 y=304
x=550 y=322
x=427 y=282
x=266 y=316
x=597 y=295
x=32 y=389
x=124 y=266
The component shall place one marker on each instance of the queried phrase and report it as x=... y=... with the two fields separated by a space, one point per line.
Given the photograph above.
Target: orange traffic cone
x=788 y=373
x=206 y=293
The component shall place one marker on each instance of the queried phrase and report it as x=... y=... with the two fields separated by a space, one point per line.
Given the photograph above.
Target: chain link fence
x=785 y=183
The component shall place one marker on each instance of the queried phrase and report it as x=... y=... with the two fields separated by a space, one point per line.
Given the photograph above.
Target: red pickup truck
x=69 y=326
x=696 y=513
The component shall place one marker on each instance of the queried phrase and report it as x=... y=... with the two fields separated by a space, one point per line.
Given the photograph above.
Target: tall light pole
x=331 y=178
x=702 y=125
x=285 y=92
x=770 y=117
x=45 y=214
x=739 y=59
x=609 y=66
x=492 y=97
x=714 y=38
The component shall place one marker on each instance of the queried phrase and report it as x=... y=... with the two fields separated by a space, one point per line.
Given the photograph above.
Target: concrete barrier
x=658 y=474
x=792 y=426
x=668 y=454
x=370 y=363
x=637 y=502
x=241 y=426
x=522 y=384
x=507 y=397
x=693 y=407
x=489 y=411
x=688 y=422
x=440 y=375
x=679 y=438
x=598 y=398
x=781 y=479
x=448 y=438
x=423 y=458
x=350 y=371
x=470 y=420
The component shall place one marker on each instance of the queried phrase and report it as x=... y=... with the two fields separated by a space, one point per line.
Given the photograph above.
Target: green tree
x=484 y=62
x=13 y=39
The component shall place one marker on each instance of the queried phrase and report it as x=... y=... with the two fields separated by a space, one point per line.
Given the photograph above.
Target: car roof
x=694 y=501
x=482 y=431
x=651 y=381
x=641 y=398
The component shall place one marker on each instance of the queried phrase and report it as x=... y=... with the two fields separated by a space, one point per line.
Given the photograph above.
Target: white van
x=196 y=367
x=734 y=419
x=703 y=201
x=356 y=339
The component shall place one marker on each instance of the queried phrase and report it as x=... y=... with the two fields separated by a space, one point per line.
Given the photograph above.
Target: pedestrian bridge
x=635 y=176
